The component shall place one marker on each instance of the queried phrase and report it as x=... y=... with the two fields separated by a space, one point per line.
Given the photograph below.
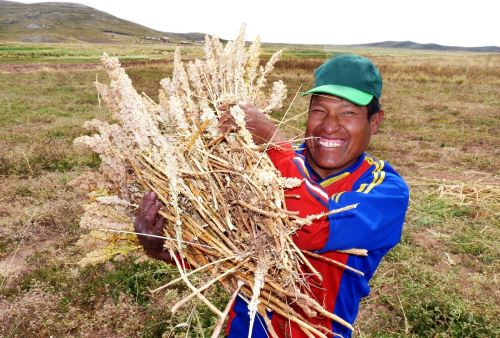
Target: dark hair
x=373 y=107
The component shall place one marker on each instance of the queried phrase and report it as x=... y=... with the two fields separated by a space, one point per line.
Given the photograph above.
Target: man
x=344 y=113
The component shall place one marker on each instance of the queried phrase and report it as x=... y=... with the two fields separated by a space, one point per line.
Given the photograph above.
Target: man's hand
x=148 y=222
x=261 y=127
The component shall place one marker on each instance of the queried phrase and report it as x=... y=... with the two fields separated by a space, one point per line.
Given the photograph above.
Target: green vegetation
x=440 y=133
x=52 y=53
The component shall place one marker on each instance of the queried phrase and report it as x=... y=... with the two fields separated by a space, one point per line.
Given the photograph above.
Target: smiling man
x=344 y=113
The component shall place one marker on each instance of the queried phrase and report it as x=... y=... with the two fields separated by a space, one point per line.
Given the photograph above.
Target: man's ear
x=375 y=121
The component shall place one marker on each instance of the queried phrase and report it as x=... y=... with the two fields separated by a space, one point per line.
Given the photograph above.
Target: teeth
x=329 y=143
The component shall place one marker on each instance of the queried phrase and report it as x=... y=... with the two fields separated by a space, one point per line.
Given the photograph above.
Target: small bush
x=135 y=279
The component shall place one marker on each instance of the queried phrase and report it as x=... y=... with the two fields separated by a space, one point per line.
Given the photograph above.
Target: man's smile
x=330 y=142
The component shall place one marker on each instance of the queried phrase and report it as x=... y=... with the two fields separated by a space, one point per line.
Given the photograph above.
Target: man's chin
x=330 y=167
x=332 y=163
x=327 y=169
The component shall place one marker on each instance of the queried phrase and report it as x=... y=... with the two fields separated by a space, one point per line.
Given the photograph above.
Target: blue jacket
x=375 y=225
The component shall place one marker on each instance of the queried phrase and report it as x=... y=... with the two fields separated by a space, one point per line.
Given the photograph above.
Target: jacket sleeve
x=282 y=156
x=377 y=221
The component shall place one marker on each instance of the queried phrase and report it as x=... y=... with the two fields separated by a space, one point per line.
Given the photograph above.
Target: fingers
x=226 y=122
x=150 y=195
x=144 y=206
x=223 y=107
x=145 y=216
x=147 y=222
x=247 y=106
x=256 y=122
x=226 y=118
x=148 y=201
x=150 y=215
x=160 y=224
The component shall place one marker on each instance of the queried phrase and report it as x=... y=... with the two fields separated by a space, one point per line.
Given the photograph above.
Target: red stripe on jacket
x=313 y=237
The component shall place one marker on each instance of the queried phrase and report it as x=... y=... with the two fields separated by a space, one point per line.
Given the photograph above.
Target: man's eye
x=348 y=113
x=317 y=111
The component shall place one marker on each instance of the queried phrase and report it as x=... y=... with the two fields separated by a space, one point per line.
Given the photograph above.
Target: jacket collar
x=302 y=150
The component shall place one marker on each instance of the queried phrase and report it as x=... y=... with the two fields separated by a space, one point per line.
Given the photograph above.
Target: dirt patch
x=14 y=264
x=35 y=67
x=61 y=67
x=470 y=179
x=18 y=315
x=425 y=240
x=38 y=215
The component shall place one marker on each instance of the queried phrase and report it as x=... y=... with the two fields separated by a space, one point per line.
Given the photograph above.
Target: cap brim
x=350 y=94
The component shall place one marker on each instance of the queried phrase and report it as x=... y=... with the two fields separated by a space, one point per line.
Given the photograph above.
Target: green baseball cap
x=351 y=77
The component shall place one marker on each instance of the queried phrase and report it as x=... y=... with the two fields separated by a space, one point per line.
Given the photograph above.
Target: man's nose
x=331 y=123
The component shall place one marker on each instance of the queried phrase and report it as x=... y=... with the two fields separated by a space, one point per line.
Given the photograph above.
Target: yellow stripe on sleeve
x=373 y=184
x=338 y=196
x=378 y=177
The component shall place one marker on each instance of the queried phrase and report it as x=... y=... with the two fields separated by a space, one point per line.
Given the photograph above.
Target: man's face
x=337 y=133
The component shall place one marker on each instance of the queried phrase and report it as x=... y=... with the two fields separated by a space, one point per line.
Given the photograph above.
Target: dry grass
x=440 y=132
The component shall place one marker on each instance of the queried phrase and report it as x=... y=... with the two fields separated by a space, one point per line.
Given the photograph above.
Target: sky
x=446 y=22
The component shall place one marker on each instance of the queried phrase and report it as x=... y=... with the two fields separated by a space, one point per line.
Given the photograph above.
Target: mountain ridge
x=73 y=22
x=426 y=46
x=69 y=22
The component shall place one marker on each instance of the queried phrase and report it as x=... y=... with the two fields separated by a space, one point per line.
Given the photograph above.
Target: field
x=440 y=132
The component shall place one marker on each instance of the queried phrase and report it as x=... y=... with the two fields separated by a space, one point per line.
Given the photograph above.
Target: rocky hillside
x=70 y=22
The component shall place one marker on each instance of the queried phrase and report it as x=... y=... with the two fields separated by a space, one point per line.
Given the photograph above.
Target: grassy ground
x=57 y=53
x=441 y=134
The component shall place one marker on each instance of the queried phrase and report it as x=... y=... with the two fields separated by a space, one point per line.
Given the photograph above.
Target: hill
x=428 y=46
x=70 y=22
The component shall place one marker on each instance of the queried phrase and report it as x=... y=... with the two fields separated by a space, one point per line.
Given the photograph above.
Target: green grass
x=38 y=130
x=81 y=53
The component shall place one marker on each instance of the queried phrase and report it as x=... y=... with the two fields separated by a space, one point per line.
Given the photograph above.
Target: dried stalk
x=220 y=190
x=204 y=287
x=220 y=322
x=192 y=287
x=332 y=261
